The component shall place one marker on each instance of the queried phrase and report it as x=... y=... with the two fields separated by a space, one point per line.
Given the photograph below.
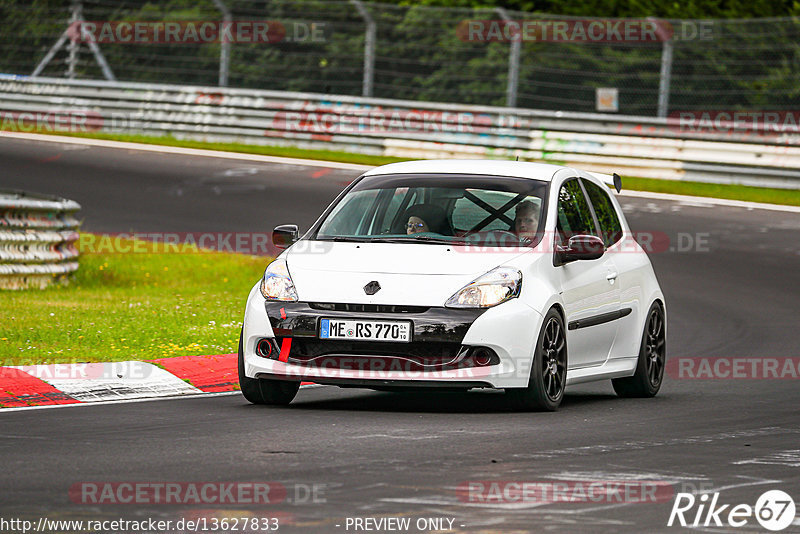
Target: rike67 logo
x=774 y=510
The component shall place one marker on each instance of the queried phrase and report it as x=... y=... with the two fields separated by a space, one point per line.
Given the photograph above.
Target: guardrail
x=37 y=239
x=629 y=145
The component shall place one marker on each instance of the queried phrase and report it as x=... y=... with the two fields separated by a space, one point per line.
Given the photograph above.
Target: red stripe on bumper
x=286 y=346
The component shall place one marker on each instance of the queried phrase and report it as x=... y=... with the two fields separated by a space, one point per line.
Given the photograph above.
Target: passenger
x=427 y=218
x=526 y=220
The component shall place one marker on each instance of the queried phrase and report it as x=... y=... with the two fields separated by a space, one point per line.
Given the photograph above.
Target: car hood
x=408 y=273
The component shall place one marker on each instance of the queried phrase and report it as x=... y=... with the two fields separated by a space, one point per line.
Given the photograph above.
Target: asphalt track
x=403 y=455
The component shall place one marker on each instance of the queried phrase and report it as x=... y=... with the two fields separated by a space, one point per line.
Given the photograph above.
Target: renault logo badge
x=372 y=288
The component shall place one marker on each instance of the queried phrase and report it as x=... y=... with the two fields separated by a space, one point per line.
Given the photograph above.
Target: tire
x=649 y=374
x=262 y=391
x=548 y=378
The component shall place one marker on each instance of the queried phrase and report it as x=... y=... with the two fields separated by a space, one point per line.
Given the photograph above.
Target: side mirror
x=581 y=247
x=284 y=235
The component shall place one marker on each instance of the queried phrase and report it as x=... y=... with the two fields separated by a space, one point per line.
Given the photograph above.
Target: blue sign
x=324 y=328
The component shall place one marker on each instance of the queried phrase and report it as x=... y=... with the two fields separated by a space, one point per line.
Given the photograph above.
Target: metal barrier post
x=513 y=60
x=369 y=48
x=666 y=68
x=225 y=45
x=73 y=45
x=663 y=85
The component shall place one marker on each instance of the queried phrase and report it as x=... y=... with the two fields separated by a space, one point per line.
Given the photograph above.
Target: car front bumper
x=438 y=334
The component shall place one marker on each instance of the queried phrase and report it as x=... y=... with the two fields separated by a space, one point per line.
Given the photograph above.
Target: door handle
x=611 y=276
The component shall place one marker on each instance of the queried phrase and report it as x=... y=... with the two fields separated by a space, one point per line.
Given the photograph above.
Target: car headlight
x=490 y=289
x=277 y=284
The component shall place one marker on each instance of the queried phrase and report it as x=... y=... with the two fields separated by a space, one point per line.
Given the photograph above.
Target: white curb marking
x=709 y=201
x=119 y=401
x=184 y=151
x=95 y=382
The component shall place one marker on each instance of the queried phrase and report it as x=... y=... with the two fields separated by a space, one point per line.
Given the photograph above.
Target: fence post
x=513 y=61
x=665 y=36
x=666 y=73
x=369 y=48
x=73 y=45
x=225 y=45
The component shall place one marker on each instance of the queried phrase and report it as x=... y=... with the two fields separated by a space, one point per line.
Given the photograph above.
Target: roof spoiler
x=610 y=179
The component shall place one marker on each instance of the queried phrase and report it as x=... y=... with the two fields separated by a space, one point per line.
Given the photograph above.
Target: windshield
x=441 y=208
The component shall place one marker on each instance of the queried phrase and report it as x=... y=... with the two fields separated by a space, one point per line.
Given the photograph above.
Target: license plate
x=362 y=330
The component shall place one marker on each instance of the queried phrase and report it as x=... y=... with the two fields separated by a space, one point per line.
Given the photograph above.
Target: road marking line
x=389 y=436
x=121 y=401
x=789 y=458
x=132 y=401
x=438 y=501
x=123 y=145
x=624 y=476
x=642 y=445
x=710 y=201
x=756 y=482
x=320 y=173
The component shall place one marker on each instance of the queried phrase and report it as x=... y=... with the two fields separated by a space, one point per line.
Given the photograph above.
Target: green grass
x=131 y=307
x=733 y=192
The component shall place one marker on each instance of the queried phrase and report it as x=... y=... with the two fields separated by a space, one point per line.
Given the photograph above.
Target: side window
x=349 y=216
x=389 y=211
x=607 y=216
x=574 y=215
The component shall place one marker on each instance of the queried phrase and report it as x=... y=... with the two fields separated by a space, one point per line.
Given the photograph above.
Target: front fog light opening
x=478 y=357
x=482 y=356
x=265 y=348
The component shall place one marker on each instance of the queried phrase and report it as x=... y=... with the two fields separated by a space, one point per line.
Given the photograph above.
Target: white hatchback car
x=459 y=274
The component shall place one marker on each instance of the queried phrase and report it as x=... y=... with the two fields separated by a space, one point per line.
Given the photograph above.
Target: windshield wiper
x=344 y=238
x=433 y=239
x=418 y=239
x=398 y=239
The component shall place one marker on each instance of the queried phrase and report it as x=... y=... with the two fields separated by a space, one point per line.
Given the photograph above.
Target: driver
x=426 y=218
x=526 y=219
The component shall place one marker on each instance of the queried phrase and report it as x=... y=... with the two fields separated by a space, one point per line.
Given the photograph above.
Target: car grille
x=369 y=308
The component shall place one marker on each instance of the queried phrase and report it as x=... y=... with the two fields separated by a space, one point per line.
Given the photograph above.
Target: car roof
x=519 y=169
